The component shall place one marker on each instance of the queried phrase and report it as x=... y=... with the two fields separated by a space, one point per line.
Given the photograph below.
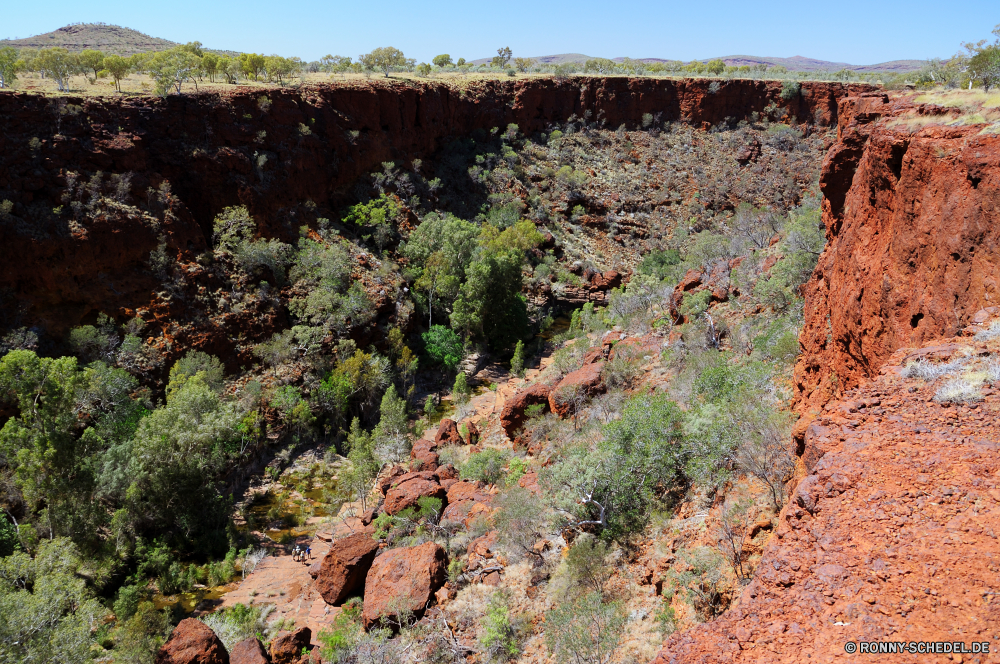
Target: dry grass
x=975 y=107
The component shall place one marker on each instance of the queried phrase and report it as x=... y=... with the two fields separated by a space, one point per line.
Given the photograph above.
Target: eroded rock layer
x=273 y=151
x=913 y=241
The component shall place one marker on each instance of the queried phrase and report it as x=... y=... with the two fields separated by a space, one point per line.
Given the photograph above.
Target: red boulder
x=249 y=651
x=447 y=433
x=403 y=578
x=513 y=417
x=287 y=647
x=192 y=642
x=345 y=566
x=584 y=382
x=408 y=492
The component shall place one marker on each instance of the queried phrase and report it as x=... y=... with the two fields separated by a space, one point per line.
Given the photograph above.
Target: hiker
x=309 y=552
x=295 y=553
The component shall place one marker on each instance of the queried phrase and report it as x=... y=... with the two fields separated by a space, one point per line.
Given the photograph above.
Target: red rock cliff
x=913 y=241
x=272 y=151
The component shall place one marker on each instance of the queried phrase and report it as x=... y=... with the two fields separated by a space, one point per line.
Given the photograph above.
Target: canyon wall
x=283 y=153
x=913 y=242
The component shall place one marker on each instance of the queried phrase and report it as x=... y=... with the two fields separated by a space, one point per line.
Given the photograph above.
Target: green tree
x=118 y=67
x=252 y=65
x=716 y=67
x=391 y=439
x=383 y=59
x=9 y=66
x=47 y=614
x=365 y=465
x=171 y=69
x=444 y=346
x=210 y=65
x=58 y=64
x=502 y=58
x=517 y=361
x=523 y=64
x=460 y=391
x=490 y=302
x=91 y=60
x=443 y=60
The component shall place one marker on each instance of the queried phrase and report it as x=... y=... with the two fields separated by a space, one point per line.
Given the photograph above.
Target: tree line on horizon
x=977 y=66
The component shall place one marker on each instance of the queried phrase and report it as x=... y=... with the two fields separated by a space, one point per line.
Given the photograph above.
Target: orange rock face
x=192 y=642
x=406 y=577
x=913 y=242
x=345 y=566
x=891 y=536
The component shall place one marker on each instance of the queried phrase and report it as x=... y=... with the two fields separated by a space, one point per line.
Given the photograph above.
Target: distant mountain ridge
x=99 y=36
x=795 y=63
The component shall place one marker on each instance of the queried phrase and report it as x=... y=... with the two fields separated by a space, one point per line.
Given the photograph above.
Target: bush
x=790 y=90
x=460 y=391
x=486 y=466
x=443 y=346
x=585 y=631
x=517 y=361
x=664 y=265
x=499 y=640
x=240 y=622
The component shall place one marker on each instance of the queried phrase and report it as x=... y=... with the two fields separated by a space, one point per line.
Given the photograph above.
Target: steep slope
x=898 y=472
x=877 y=541
x=197 y=154
x=913 y=247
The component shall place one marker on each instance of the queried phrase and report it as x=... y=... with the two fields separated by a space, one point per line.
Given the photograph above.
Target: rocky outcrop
x=269 y=150
x=345 y=566
x=874 y=543
x=575 y=387
x=410 y=488
x=192 y=642
x=287 y=647
x=913 y=242
x=447 y=433
x=403 y=578
x=250 y=651
x=513 y=415
x=424 y=453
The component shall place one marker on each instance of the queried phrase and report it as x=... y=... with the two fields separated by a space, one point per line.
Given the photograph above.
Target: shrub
x=661 y=264
x=585 y=562
x=517 y=361
x=499 y=640
x=486 y=466
x=460 y=391
x=930 y=371
x=443 y=346
x=790 y=90
x=519 y=520
x=958 y=390
x=240 y=622
x=585 y=631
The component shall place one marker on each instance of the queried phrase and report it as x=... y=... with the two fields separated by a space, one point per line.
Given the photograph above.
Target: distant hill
x=796 y=63
x=100 y=36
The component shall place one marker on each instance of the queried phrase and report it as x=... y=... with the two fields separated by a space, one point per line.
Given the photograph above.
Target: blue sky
x=846 y=31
